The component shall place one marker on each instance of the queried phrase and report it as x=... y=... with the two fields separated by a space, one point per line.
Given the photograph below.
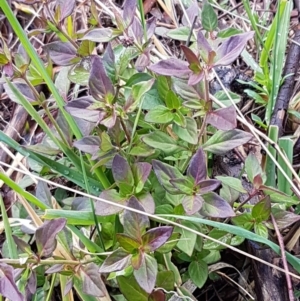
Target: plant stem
x=283 y=256
x=125 y=130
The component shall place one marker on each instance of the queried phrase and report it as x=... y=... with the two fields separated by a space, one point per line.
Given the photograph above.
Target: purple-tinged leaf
x=68 y=287
x=8 y=287
x=100 y=35
x=32 y=282
x=23 y=88
x=109 y=61
x=158 y=295
x=112 y=195
x=55 y=268
x=192 y=203
x=88 y=144
x=231 y=48
x=66 y=8
x=208 y=185
x=197 y=168
x=257 y=181
x=185 y=184
x=117 y=261
x=203 y=44
x=215 y=206
x=137 y=259
x=143 y=61
x=127 y=243
x=22 y=245
x=151 y=24
x=78 y=108
x=253 y=168
x=141 y=171
x=92 y=282
x=190 y=56
x=46 y=236
x=121 y=171
x=223 y=119
x=99 y=83
x=136 y=30
x=164 y=174
x=146 y=274
x=223 y=141
x=61 y=54
x=135 y=224
x=284 y=219
x=129 y=11
x=110 y=120
x=146 y=200
x=195 y=78
x=156 y=237
x=191 y=13
x=171 y=67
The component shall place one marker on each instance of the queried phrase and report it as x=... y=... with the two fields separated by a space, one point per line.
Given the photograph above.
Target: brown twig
x=286 y=90
x=283 y=256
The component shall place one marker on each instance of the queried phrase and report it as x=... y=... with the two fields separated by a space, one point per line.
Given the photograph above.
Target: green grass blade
x=270 y=165
x=87 y=188
x=12 y=248
x=252 y=21
x=293 y=260
x=72 y=175
x=28 y=196
x=278 y=56
x=287 y=147
x=81 y=218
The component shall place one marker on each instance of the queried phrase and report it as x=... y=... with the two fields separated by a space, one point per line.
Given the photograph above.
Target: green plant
x=149 y=132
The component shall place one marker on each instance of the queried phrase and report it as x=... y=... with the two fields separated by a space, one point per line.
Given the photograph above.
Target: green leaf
x=166 y=280
x=139 y=89
x=172 y=100
x=262 y=210
x=222 y=96
x=261 y=230
x=228 y=32
x=209 y=18
x=198 y=272
x=160 y=115
x=162 y=142
x=127 y=243
x=234 y=183
x=252 y=167
x=131 y=289
x=244 y=220
x=189 y=133
x=224 y=141
x=180 y=34
x=187 y=239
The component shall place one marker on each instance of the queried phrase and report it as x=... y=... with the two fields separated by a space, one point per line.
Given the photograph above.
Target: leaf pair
x=195 y=188
x=135 y=246
x=131 y=181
